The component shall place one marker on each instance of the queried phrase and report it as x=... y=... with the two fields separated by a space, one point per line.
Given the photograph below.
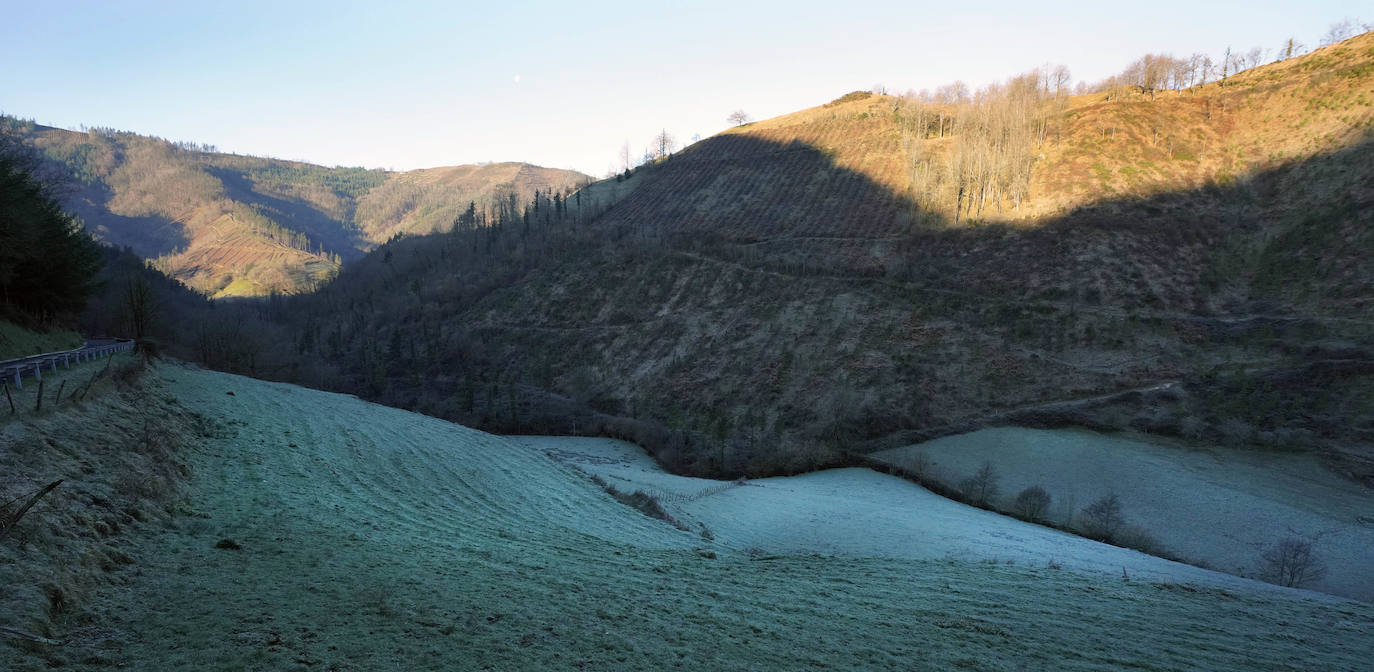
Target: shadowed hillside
x=230 y=225
x=770 y=298
x=808 y=343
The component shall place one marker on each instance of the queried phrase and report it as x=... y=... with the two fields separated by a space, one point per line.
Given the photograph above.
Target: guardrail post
x=18 y=378
x=38 y=373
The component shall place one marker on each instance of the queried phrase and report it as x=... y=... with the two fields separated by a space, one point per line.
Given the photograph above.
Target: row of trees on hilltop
x=1159 y=72
x=973 y=150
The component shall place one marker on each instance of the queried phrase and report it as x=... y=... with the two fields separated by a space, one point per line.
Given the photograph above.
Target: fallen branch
x=14 y=518
x=96 y=377
x=32 y=638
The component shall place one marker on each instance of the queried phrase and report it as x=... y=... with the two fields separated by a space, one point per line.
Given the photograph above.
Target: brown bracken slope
x=230 y=225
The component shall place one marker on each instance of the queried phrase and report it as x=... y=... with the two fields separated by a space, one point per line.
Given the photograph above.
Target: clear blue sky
x=410 y=85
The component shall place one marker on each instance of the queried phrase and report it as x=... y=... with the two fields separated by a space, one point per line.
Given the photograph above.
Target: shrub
x=1102 y=519
x=1135 y=537
x=1292 y=562
x=645 y=502
x=980 y=488
x=850 y=97
x=918 y=465
x=1032 y=503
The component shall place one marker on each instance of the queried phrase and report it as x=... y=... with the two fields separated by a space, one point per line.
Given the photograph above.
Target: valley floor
x=376 y=539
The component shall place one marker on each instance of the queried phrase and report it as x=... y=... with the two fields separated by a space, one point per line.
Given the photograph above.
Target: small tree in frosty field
x=1292 y=562
x=1102 y=519
x=980 y=488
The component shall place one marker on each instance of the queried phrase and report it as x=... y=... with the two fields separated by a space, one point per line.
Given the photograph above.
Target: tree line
x=971 y=151
x=48 y=263
x=992 y=135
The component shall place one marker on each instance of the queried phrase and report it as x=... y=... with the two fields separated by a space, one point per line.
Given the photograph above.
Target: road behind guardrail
x=14 y=370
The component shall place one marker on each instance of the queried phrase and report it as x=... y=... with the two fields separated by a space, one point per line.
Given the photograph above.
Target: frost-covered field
x=376 y=539
x=1221 y=506
x=860 y=513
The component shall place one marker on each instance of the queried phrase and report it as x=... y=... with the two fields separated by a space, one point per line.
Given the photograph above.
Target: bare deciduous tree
x=738 y=118
x=663 y=145
x=1060 y=79
x=1292 y=562
x=981 y=488
x=1340 y=31
x=1291 y=47
x=139 y=307
x=1228 y=64
x=918 y=465
x=1102 y=519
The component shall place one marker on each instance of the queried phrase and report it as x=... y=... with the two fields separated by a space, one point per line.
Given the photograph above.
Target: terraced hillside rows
x=231 y=225
x=323 y=532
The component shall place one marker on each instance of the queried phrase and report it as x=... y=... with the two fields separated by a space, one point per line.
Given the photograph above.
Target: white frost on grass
x=1216 y=505
x=370 y=538
x=861 y=513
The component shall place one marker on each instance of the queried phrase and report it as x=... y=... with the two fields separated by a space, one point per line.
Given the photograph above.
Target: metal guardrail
x=14 y=370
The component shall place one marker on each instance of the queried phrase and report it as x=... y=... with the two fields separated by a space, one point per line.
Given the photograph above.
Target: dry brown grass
x=233 y=225
x=1132 y=146
x=119 y=453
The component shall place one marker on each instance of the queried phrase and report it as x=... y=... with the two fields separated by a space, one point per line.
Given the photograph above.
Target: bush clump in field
x=1032 y=503
x=850 y=97
x=645 y=502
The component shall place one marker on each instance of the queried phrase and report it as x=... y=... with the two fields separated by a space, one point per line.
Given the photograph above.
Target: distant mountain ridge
x=231 y=225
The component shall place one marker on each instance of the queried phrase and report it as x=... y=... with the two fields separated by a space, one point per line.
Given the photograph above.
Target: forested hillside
x=231 y=225
x=47 y=263
x=879 y=268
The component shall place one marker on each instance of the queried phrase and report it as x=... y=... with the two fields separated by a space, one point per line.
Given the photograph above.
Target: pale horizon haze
x=405 y=85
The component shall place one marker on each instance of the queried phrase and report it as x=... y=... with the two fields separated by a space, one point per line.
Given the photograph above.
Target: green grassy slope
x=16 y=341
x=371 y=538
